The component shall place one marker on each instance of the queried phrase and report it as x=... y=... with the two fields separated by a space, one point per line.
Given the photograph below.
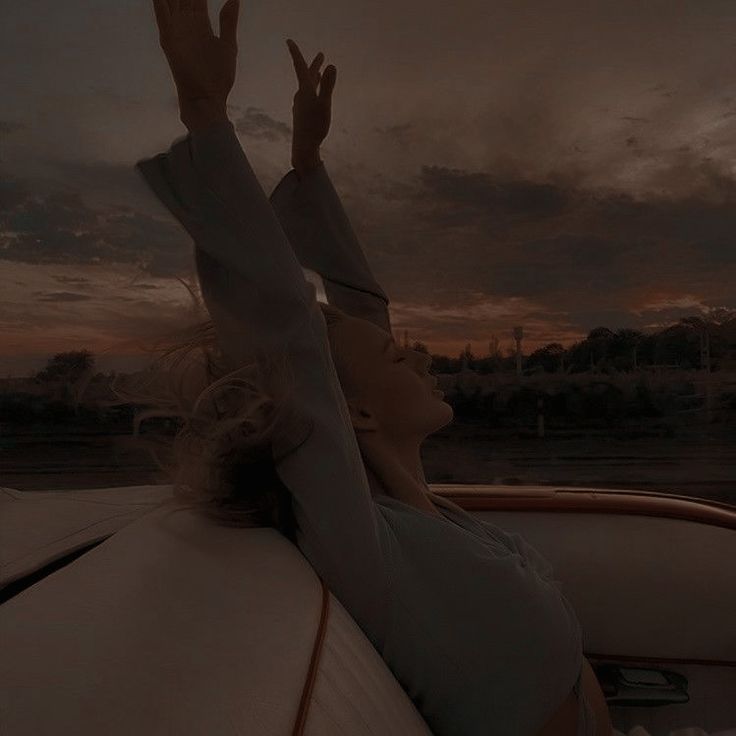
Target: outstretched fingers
x=328 y=84
x=229 y=22
x=168 y=13
x=303 y=73
x=314 y=68
x=199 y=9
x=310 y=77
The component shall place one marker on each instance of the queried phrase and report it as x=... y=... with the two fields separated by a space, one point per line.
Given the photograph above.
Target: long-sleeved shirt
x=466 y=615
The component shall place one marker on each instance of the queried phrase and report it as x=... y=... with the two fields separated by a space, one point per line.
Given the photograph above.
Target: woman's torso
x=477 y=633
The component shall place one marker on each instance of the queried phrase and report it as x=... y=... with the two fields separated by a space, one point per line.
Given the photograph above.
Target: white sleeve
x=261 y=304
x=312 y=215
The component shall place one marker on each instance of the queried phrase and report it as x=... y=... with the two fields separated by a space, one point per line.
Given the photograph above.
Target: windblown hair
x=219 y=459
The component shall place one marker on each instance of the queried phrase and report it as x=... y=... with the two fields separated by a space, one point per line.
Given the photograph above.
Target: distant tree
x=625 y=349
x=678 y=344
x=600 y=343
x=607 y=351
x=442 y=364
x=603 y=350
x=576 y=357
x=420 y=347
x=68 y=375
x=467 y=359
x=547 y=357
x=69 y=367
x=494 y=362
x=600 y=333
x=721 y=333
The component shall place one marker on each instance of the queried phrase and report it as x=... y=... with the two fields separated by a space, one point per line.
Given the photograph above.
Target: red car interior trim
x=301 y=717
x=597 y=501
x=660 y=660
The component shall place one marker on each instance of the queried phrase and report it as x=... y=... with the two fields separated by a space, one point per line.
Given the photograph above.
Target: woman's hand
x=312 y=109
x=203 y=65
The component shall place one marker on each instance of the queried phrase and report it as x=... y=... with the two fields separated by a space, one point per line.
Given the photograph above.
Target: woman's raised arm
x=262 y=305
x=309 y=208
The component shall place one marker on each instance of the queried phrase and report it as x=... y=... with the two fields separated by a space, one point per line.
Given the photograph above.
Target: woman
x=467 y=616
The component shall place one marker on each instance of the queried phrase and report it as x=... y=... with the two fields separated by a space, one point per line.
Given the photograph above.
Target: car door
x=651 y=578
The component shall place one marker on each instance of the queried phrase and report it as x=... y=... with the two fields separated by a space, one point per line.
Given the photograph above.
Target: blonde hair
x=220 y=458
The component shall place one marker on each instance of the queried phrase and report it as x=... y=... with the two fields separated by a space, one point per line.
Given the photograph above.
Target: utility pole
x=464 y=358
x=705 y=350
x=540 y=417
x=705 y=365
x=518 y=335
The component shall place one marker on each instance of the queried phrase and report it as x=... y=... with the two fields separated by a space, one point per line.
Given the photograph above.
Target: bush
x=56 y=411
x=604 y=404
x=644 y=403
x=522 y=405
x=466 y=407
x=20 y=408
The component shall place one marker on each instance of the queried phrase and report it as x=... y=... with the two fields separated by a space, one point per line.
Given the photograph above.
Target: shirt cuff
x=291 y=182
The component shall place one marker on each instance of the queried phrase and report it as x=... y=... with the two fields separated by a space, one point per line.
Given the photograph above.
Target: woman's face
x=390 y=382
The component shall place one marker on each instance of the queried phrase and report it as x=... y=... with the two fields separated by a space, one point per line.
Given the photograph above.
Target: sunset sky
x=560 y=166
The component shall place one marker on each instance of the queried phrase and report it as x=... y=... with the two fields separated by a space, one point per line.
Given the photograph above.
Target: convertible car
x=124 y=611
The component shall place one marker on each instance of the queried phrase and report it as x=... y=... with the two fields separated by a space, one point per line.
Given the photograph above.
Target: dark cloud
x=61 y=296
x=460 y=194
x=121 y=184
x=255 y=123
x=59 y=228
x=161 y=248
x=72 y=280
x=514 y=108
x=452 y=233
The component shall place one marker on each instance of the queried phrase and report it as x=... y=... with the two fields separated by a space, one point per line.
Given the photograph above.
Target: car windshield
x=546 y=194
